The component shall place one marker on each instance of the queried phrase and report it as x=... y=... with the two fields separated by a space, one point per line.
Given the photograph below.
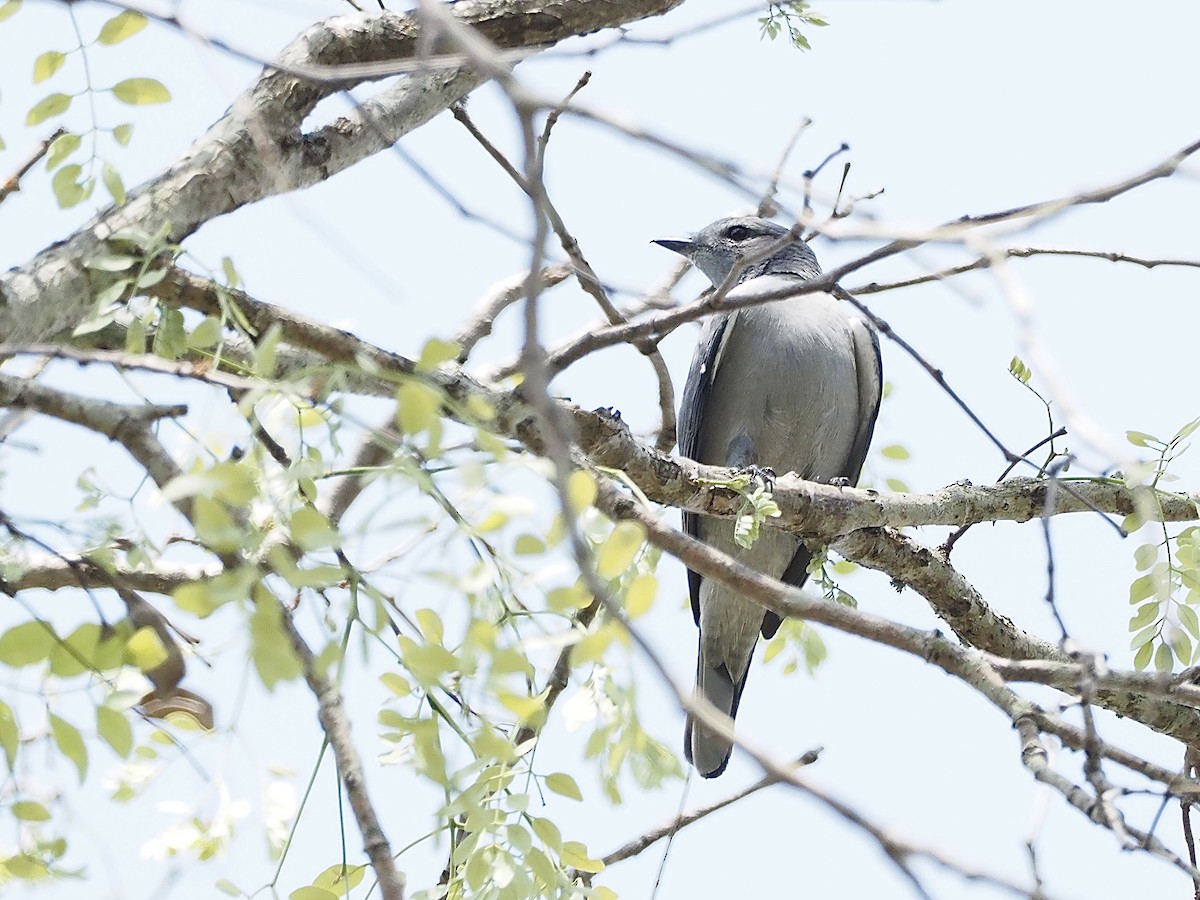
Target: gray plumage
x=793 y=386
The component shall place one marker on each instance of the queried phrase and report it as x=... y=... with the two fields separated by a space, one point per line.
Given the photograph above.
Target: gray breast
x=786 y=390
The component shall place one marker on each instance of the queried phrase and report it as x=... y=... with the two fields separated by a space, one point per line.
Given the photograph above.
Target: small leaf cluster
x=1165 y=625
x=791 y=16
x=73 y=182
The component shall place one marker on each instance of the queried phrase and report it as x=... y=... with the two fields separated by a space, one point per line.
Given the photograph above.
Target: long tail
x=704 y=748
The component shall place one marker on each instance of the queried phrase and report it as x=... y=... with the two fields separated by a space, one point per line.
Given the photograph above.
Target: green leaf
x=202 y=598
x=312 y=892
x=528 y=545
x=341 y=878
x=115 y=729
x=113 y=184
x=29 y=811
x=1146 y=614
x=49 y=106
x=272 y=652
x=431 y=626
x=25 y=866
x=575 y=854
x=9 y=9
x=139 y=91
x=77 y=652
x=618 y=552
x=1142 y=658
x=396 y=683
x=640 y=595
x=564 y=784
x=68 y=190
x=26 y=644
x=1141 y=439
x=1164 y=659
x=70 y=743
x=1142 y=587
x=206 y=334
x=1182 y=645
x=1145 y=636
x=436 y=352
x=581 y=490
x=122 y=133
x=312 y=530
x=548 y=832
x=1186 y=430
x=543 y=870
x=123 y=25
x=62 y=147
x=145 y=650
x=47 y=64
x=10 y=734
x=1019 y=370
x=895 y=451
x=419 y=405
x=110 y=262
x=215 y=527
x=427 y=662
x=170 y=339
x=1145 y=556
x=1189 y=620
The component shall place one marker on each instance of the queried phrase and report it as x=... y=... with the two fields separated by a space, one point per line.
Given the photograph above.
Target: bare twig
x=13 y=182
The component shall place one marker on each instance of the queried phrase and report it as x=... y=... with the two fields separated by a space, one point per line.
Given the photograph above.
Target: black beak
x=683 y=248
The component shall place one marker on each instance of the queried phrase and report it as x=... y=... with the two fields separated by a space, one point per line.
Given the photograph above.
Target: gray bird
x=791 y=386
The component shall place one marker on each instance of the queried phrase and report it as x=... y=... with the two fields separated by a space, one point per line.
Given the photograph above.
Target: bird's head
x=717 y=248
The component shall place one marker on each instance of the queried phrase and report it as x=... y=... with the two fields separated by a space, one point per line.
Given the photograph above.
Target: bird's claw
x=840 y=482
x=764 y=475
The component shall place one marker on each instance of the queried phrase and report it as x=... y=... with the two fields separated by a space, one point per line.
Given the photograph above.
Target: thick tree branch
x=258 y=149
x=53 y=573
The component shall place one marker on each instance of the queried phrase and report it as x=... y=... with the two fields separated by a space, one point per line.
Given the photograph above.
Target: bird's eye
x=738 y=233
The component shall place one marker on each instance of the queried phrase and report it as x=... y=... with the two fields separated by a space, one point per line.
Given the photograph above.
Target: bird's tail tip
x=705 y=748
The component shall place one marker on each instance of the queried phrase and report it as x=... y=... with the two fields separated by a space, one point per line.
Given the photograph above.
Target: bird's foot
x=764 y=475
x=840 y=482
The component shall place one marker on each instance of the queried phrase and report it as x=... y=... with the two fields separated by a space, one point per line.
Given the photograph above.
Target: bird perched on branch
x=788 y=386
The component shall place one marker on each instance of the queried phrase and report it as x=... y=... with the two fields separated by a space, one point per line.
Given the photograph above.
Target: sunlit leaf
x=123 y=25
x=26 y=644
x=115 y=729
x=1164 y=659
x=312 y=530
x=10 y=734
x=419 y=406
x=1146 y=614
x=70 y=743
x=618 y=552
x=312 y=892
x=274 y=658
x=431 y=626
x=581 y=490
x=145 y=649
x=113 y=184
x=640 y=595
x=138 y=91
x=548 y=832
x=575 y=854
x=436 y=352
x=61 y=148
x=564 y=784
x=47 y=64
x=49 y=106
